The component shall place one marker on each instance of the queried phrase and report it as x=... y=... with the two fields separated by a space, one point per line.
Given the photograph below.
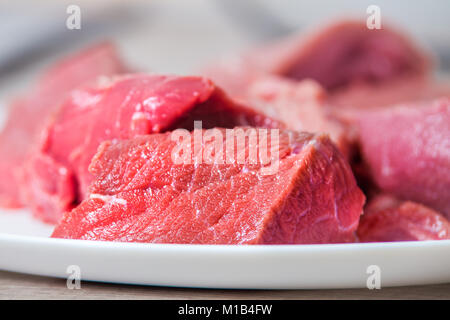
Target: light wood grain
x=20 y=286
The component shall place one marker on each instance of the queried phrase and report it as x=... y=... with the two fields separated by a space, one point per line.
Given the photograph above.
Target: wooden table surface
x=21 y=286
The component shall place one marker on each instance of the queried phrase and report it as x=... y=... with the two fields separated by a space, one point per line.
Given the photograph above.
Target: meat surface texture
x=140 y=194
x=407 y=149
x=389 y=219
x=337 y=57
x=120 y=108
x=403 y=90
x=300 y=106
x=28 y=115
x=357 y=68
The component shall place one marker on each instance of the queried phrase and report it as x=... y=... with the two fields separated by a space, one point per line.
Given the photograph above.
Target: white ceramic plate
x=25 y=247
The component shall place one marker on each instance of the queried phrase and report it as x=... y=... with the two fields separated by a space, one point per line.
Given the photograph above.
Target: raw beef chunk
x=365 y=97
x=349 y=52
x=337 y=56
x=407 y=149
x=28 y=115
x=389 y=219
x=120 y=108
x=300 y=106
x=140 y=194
x=357 y=67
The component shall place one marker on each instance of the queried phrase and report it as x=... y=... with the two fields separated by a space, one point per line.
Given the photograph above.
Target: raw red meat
x=382 y=201
x=353 y=102
x=365 y=97
x=118 y=109
x=140 y=195
x=337 y=56
x=389 y=219
x=28 y=115
x=407 y=149
x=301 y=106
x=357 y=67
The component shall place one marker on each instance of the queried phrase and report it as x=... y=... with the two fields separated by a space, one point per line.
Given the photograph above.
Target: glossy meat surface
x=28 y=115
x=338 y=56
x=390 y=219
x=121 y=108
x=407 y=149
x=140 y=195
x=300 y=106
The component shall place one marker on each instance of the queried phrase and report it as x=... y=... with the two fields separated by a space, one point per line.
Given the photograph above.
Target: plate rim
x=35 y=240
x=313 y=266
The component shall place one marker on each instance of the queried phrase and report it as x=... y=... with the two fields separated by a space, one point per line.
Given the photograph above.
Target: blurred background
x=180 y=36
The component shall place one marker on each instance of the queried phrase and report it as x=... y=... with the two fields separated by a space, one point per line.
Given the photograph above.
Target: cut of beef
x=348 y=53
x=140 y=194
x=407 y=149
x=301 y=106
x=353 y=102
x=389 y=219
x=337 y=56
x=381 y=201
x=28 y=115
x=120 y=108
x=356 y=66
x=365 y=97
